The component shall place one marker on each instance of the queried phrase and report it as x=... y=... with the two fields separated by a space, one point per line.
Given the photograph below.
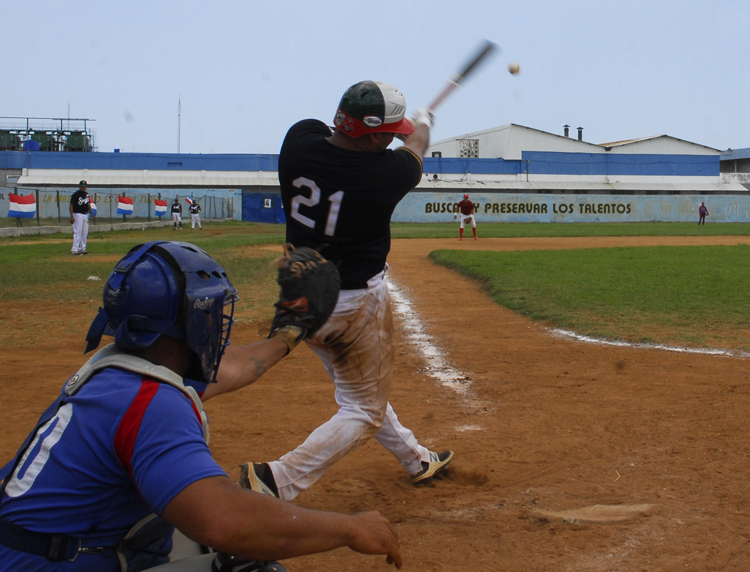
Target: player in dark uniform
x=177 y=214
x=195 y=215
x=339 y=188
x=80 y=207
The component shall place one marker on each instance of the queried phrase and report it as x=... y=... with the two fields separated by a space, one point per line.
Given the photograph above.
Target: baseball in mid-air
x=514 y=68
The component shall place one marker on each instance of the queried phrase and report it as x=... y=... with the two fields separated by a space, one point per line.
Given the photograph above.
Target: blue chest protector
x=147 y=543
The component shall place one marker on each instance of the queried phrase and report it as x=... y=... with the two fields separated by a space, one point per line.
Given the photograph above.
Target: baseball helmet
x=168 y=288
x=466 y=196
x=372 y=107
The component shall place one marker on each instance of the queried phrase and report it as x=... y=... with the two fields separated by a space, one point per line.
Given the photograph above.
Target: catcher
x=121 y=457
x=466 y=208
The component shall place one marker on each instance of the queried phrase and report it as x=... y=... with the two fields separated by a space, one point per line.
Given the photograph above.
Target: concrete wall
x=505 y=207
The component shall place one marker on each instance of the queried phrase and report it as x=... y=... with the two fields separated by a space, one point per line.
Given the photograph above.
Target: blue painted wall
x=137 y=161
x=542 y=163
x=546 y=163
x=262 y=207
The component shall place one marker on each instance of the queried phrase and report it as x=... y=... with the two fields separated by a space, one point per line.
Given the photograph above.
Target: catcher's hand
x=310 y=287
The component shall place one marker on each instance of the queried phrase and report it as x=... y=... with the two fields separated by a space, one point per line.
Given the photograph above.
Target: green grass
x=687 y=295
x=693 y=296
x=39 y=267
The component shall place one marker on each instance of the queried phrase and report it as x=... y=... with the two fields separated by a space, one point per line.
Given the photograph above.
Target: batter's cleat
x=438 y=463
x=259 y=478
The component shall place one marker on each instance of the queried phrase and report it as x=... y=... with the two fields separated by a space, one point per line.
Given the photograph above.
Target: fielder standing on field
x=79 y=208
x=195 y=216
x=177 y=213
x=466 y=212
x=702 y=212
x=339 y=187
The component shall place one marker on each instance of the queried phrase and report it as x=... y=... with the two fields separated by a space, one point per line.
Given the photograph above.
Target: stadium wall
x=507 y=207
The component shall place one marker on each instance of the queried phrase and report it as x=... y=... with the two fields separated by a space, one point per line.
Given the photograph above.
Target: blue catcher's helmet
x=168 y=288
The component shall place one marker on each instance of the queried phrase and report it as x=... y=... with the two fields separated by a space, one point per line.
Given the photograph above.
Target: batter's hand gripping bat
x=481 y=54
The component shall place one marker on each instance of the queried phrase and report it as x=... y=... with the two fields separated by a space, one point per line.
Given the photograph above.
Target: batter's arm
x=419 y=141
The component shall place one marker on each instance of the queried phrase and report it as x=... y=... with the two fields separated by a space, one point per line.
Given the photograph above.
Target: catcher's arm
x=243 y=365
x=309 y=289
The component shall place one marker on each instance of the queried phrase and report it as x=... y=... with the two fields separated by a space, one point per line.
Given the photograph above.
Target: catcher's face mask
x=168 y=288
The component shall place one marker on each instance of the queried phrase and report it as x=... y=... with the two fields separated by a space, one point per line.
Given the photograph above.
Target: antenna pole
x=179 y=123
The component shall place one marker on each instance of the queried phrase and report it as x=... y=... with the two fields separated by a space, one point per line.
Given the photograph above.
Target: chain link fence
x=52 y=205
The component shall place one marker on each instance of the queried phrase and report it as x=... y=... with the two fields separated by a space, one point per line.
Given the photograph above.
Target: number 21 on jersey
x=313 y=200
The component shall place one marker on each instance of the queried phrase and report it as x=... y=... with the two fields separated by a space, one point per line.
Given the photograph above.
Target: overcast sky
x=245 y=71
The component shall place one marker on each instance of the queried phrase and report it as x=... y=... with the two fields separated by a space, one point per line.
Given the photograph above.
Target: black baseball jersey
x=195 y=208
x=342 y=199
x=177 y=208
x=80 y=201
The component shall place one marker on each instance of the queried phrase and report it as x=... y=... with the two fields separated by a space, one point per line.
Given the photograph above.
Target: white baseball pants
x=359 y=361
x=80 y=232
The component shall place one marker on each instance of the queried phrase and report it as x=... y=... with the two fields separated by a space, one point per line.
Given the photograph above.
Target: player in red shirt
x=466 y=208
x=702 y=211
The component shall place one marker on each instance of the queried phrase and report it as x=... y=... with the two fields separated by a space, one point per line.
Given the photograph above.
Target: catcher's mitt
x=310 y=287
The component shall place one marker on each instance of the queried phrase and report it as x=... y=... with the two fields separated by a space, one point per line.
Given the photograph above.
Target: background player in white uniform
x=79 y=208
x=466 y=212
x=340 y=189
x=195 y=216
x=177 y=213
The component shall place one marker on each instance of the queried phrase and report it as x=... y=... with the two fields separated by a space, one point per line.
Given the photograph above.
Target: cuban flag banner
x=161 y=207
x=92 y=205
x=22 y=207
x=189 y=201
x=124 y=205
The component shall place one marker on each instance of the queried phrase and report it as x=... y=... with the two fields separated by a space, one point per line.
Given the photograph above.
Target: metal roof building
x=509 y=169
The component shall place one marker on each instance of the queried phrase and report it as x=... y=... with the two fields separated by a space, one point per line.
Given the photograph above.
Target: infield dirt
x=569 y=456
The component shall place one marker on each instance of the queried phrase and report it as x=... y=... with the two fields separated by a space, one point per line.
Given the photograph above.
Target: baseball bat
x=480 y=54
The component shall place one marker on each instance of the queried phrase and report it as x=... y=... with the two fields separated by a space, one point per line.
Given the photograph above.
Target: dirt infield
x=569 y=456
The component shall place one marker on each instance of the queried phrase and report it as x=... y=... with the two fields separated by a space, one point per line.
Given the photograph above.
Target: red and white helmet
x=372 y=107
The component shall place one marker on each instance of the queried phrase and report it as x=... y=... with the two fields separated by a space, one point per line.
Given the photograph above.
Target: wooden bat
x=481 y=54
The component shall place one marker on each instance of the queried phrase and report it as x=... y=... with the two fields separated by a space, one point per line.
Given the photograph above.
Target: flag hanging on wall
x=161 y=207
x=92 y=206
x=22 y=207
x=124 y=205
x=189 y=201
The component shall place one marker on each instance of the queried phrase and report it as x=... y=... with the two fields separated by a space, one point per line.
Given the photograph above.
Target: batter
x=339 y=188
